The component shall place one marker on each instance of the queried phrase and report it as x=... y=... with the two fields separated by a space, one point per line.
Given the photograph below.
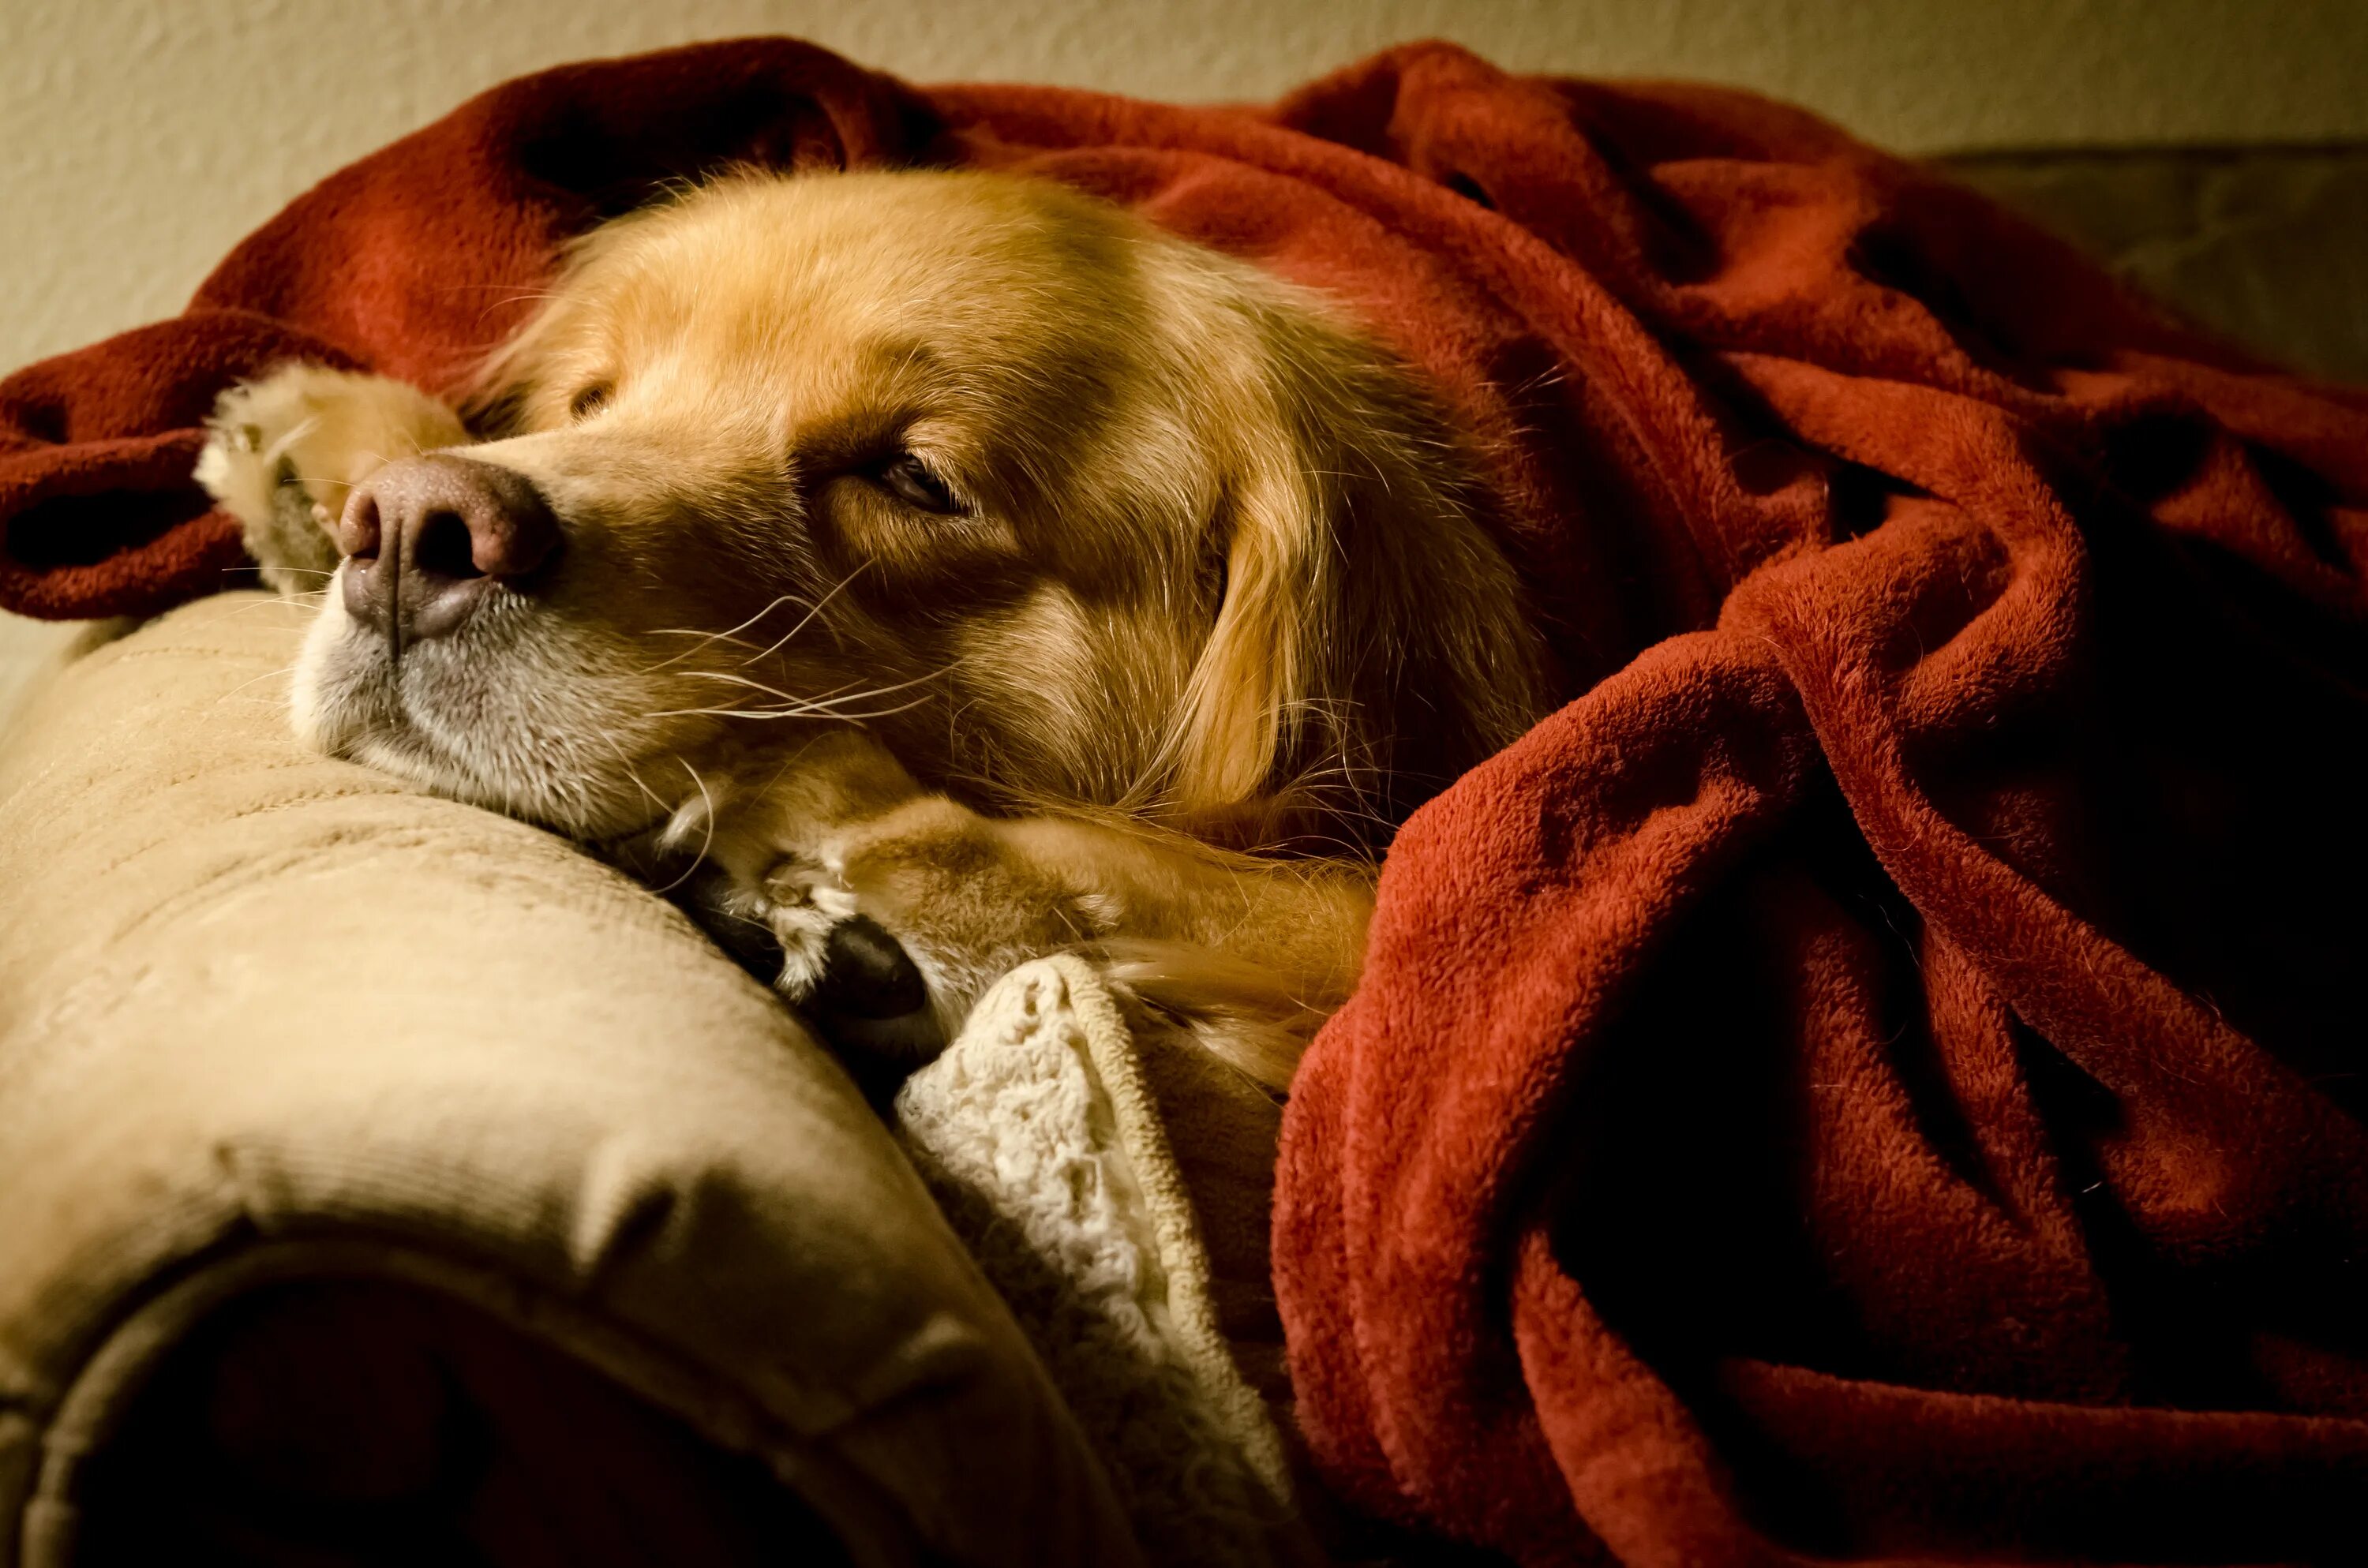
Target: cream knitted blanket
x=1040 y=1134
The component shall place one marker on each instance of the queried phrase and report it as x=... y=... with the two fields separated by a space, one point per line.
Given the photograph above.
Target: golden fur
x=955 y=550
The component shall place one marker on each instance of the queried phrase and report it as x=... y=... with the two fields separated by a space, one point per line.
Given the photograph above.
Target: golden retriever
x=947 y=555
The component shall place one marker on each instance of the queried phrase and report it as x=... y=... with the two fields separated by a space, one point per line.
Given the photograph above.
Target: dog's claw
x=868 y=974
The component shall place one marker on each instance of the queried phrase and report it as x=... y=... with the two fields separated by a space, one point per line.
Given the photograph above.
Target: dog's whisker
x=881 y=713
x=759 y=686
x=275 y=602
x=813 y=608
x=270 y=457
x=625 y=764
x=729 y=635
x=835 y=711
x=708 y=801
x=797 y=710
x=828 y=702
x=282 y=673
x=807 y=619
x=742 y=713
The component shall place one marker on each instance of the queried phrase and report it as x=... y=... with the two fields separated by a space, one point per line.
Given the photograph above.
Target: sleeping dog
x=951 y=567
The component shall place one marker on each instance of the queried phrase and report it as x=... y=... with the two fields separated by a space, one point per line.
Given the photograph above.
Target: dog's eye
x=914 y=482
x=588 y=402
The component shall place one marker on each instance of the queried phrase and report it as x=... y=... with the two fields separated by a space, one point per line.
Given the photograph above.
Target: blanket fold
x=1879 y=1074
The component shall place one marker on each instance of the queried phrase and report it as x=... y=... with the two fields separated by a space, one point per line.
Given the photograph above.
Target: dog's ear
x=1246 y=697
x=1369 y=642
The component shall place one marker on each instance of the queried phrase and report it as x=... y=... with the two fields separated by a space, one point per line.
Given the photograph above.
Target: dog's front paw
x=282 y=452
x=837 y=961
x=802 y=905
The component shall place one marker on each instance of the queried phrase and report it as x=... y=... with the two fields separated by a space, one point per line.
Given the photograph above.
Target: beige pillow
x=267 y=1017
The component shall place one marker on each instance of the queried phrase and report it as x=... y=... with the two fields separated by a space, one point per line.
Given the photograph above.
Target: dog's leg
x=283 y=451
x=846 y=851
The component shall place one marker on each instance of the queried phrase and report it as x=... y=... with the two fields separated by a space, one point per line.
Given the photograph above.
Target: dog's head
x=1066 y=509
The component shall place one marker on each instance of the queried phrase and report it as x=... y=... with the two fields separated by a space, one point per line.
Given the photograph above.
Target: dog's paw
x=801 y=903
x=840 y=966
x=282 y=452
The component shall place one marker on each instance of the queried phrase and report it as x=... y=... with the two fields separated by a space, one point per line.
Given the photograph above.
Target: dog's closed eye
x=914 y=483
x=589 y=401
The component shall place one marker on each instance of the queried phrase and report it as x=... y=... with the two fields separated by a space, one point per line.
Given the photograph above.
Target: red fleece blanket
x=1879 y=1074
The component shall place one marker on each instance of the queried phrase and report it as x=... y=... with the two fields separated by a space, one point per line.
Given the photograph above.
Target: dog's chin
x=464 y=718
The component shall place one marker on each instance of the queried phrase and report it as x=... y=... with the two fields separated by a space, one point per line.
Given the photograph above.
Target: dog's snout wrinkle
x=427 y=538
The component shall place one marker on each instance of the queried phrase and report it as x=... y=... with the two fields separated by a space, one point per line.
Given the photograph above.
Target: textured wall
x=142 y=137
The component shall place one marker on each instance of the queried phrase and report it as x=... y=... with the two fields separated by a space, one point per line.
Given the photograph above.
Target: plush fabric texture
x=1041 y=1137
x=269 y=1019
x=1879 y=1073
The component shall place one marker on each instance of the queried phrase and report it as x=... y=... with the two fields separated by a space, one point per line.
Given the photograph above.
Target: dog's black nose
x=427 y=539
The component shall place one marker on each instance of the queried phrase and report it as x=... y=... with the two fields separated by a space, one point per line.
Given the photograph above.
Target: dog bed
x=1877 y=1076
